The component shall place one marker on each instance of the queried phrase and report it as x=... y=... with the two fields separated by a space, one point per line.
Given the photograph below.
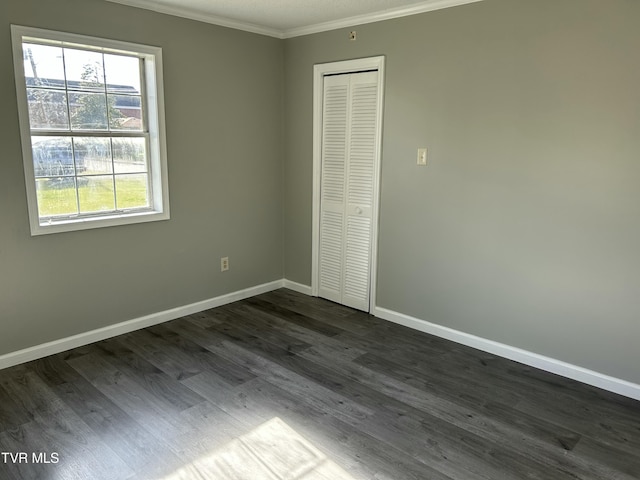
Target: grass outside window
x=57 y=196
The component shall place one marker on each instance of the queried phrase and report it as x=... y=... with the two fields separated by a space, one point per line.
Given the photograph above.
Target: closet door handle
x=358 y=210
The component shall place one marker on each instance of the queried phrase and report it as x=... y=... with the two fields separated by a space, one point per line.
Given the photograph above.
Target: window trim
x=154 y=100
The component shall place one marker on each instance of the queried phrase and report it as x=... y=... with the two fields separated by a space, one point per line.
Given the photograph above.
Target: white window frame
x=153 y=102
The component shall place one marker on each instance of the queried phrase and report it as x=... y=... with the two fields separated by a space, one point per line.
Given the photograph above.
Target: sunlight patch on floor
x=272 y=451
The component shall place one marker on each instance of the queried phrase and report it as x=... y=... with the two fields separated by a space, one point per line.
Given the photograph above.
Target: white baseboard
x=57 y=346
x=564 y=369
x=552 y=365
x=297 y=287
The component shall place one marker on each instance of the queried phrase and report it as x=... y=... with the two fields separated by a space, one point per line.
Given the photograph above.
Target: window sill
x=86 y=223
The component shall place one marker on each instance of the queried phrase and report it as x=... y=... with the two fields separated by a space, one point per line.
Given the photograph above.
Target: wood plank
x=545 y=442
x=140 y=450
x=147 y=352
x=195 y=355
x=327 y=312
x=54 y=370
x=323 y=398
x=153 y=412
x=619 y=463
x=359 y=454
x=145 y=374
x=377 y=399
x=386 y=429
x=491 y=419
x=57 y=429
x=253 y=320
x=259 y=321
x=294 y=317
x=204 y=319
x=12 y=414
x=438 y=378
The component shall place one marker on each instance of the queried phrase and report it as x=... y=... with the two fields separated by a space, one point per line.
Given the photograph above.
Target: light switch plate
x=422 y=156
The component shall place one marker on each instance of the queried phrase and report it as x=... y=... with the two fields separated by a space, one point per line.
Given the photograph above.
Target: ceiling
x=291 y=18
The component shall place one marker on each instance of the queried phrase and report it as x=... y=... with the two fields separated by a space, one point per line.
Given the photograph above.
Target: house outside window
x=92 y=128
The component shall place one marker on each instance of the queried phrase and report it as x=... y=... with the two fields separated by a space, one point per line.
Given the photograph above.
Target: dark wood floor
x=288 y=386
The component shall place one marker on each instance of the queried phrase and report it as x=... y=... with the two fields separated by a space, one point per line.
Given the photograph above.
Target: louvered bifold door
x=347 y=192
x=361 y=154
x=332 y=192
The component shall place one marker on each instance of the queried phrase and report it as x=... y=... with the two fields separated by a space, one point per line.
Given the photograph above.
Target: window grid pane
x=92 y=156
x=84 y=70
x=88 y=111
x=43 y=66
x=52 y=156
x=57 y=196
x=122 y=74
x=96 y=194
x=48 y=109
x=132 y=191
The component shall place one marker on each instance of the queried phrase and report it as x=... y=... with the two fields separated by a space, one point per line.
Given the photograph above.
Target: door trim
x=319 y=72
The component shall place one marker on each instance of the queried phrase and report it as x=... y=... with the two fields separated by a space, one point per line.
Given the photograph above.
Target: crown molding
x=422 y=7
x=202 y=17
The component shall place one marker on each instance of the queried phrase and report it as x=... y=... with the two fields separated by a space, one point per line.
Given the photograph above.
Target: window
x=92 y=129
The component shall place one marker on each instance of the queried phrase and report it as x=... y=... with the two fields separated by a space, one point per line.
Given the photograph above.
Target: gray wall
x=525 y=226
x=523 y=229
x=224 y=138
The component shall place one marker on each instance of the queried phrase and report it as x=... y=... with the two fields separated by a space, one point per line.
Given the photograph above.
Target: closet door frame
x=319 y=72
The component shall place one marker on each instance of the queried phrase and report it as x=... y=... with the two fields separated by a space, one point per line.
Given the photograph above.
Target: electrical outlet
x=224 y=264
x=422 y=156
x=352 y=35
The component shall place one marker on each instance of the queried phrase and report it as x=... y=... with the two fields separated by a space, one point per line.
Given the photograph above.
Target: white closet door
x=332 y=194
x=349 y=128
